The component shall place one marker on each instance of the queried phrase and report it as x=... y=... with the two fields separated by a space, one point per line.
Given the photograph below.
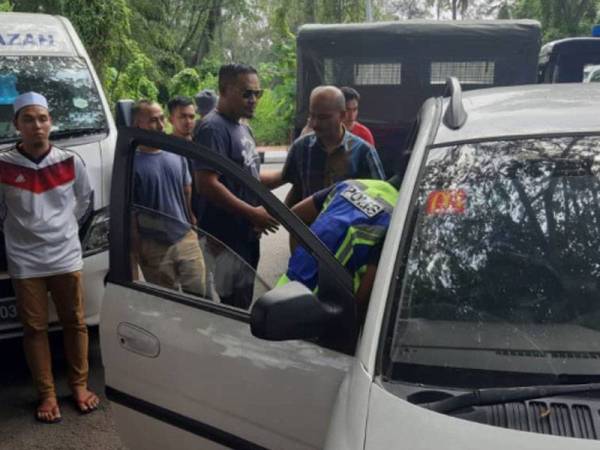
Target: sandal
x=83 y=405
x=47 y=411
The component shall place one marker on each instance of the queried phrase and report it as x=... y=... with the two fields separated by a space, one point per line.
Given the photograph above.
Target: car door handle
x=138 y=340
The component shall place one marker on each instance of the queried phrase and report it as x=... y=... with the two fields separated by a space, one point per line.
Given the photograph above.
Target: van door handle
x=138 y=340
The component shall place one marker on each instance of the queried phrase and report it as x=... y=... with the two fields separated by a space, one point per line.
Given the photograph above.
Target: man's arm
x=292 y=197
x=307 y=211
x=374 y=168
x=187 y=191
x=208 y=185
x=272 y=178
x=364 y=290
x=81 y=188
x=289 y=174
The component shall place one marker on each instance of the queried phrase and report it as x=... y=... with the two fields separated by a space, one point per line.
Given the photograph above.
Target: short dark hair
x=137 y=107
x=179 y=101
x=350 y=93
x=228 y=74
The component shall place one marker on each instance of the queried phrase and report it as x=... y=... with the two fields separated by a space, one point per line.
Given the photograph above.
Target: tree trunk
x=310 y=7
x=208 y=36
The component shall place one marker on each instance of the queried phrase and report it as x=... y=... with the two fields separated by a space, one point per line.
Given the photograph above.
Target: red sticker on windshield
x=446 y=202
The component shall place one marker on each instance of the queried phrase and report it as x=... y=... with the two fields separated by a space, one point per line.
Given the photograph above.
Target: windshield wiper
x=494 y=396
x=77 y=132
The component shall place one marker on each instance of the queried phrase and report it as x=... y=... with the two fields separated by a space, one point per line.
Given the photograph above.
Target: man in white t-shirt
x=44 y=190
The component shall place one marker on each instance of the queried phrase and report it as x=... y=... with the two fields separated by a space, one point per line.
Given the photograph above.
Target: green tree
x=103 y=25
x=559 y=18
x=186 y=82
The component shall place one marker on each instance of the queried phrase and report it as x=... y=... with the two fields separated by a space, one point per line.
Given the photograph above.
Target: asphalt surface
x=18 y=428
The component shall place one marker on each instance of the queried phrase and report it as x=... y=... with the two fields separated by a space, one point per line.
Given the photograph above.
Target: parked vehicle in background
x=483 y=328
x=568 y=60
x=591 y=74
x=43 y=53
x=396 y=66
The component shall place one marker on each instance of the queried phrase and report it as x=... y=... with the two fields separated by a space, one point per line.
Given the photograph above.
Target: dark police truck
x=395 y=66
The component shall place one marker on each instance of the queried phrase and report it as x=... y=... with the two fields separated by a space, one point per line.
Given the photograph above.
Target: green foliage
x=158 y=49
x=5 y=6
x=275 y=112
x=270 y=127
x=186 y=82
x=103 y=25
x=559 y=18
x=132 y=82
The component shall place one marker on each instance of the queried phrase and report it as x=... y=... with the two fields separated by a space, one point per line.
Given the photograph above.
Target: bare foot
x=48 y=411
x=85 y=400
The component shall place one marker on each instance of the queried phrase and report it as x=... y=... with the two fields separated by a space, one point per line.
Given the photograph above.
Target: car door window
x=173 y=244
x=171 y=250
x=196 y=263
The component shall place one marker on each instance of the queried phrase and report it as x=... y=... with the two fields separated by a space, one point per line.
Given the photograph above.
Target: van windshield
x=66 y=83
x=501 y=284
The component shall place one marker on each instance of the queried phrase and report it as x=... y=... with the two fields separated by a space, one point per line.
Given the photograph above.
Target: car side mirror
x=291 y=311
x=123 y=113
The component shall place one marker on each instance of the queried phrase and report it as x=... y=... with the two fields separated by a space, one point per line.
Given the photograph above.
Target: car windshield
x=501 y=279
x=65 y=81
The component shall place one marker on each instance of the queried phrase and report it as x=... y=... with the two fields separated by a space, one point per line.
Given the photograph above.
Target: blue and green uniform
x=352 y=224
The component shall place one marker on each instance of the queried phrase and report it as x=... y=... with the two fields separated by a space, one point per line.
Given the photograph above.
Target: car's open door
x=183 y=370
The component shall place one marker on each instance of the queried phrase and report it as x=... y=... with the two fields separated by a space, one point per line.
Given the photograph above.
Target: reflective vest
x=354 y=219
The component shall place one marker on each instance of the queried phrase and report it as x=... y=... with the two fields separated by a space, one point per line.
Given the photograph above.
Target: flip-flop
x=90 y=409
x=46 y=421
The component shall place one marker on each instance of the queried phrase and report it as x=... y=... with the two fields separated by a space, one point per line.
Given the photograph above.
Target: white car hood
x=395 y=423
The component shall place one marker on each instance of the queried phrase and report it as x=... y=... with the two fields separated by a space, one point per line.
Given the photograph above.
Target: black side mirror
x=123 y=113
x=291 y=312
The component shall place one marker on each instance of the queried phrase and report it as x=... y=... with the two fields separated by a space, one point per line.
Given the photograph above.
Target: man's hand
x=263 y=222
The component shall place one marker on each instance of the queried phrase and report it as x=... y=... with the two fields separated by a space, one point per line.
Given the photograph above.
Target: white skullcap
x=29 y=99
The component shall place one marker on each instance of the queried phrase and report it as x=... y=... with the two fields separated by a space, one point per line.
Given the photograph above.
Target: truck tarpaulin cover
x=395 y=66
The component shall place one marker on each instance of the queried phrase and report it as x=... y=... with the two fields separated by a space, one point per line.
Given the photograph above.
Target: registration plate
x=8 y=303
x=8 y=310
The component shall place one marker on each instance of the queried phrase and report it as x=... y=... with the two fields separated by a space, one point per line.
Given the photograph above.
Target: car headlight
x=96 y=235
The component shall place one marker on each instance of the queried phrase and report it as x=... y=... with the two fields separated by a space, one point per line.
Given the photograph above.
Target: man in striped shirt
x=44 y=191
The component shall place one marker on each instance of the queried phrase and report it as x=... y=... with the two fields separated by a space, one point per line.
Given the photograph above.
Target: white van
x=43 y=53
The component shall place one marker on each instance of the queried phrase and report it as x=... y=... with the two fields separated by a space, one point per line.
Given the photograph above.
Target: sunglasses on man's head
x=250 y=92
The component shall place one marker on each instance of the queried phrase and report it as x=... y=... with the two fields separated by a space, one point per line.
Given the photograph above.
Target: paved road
x=19 y=430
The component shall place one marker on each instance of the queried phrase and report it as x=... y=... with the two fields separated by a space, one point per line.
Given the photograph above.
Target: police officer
x=351 y=218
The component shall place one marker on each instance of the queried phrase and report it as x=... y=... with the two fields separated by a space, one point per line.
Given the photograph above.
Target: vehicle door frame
x=336 y=287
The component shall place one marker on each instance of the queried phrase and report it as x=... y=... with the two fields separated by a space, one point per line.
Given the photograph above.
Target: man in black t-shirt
x=232 y=213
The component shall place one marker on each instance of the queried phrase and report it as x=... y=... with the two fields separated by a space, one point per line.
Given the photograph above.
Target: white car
x=483 y=328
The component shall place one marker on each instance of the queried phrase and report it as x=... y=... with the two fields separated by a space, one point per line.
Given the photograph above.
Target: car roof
x=571 y=44
x=526 y=110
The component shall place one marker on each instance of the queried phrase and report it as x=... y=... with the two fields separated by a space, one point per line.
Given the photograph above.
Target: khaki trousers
x=32 y=305
x=169 y=265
